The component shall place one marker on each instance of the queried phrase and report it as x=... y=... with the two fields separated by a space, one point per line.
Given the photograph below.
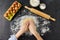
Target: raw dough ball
x=42 y=6
x=34 y=3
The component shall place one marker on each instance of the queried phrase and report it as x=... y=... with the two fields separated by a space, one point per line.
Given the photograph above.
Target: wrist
x=36 y=34
x=19 y=33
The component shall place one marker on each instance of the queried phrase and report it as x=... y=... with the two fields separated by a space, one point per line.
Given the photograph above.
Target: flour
x=29 y=16
x=42 y=24
x=34 y=3
x=42 y=6
x=19 y=22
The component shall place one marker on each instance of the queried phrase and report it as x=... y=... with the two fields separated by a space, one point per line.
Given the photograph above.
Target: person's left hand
x=24 y=26
x=23 y=29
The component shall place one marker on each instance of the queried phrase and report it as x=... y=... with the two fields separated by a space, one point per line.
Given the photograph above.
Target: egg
x=16 y=5
x=14 y=11
x=11 y=8
x=6 y=15
x=19 y=5
x=16 y=8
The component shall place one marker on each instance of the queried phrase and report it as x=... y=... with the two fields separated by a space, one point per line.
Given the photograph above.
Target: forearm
x=15 y=37
x=36 y=34
x=19 y=33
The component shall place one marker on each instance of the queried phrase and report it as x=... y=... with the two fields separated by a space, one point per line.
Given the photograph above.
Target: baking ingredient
x=34 y=3
x=42 y=6
x=41 y=23
x=12 y=10
x=19 y=21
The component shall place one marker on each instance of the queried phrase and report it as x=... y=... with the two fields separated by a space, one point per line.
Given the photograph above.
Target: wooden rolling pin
x=44 y=15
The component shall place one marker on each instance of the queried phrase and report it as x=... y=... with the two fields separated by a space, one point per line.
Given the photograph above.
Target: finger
x=31 y=21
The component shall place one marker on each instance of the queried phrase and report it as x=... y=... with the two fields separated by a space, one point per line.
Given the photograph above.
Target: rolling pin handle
x=52 y=19
x=27 y=7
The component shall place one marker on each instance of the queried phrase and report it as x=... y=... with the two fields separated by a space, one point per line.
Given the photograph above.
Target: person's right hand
x=32 y=29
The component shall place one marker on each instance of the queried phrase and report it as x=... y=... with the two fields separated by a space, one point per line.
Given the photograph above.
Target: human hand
x=23 y=29
x=28 y=24
x=32 y=27
x=24 y=26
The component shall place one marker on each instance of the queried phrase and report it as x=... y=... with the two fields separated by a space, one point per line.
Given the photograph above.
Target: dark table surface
x=53 y=9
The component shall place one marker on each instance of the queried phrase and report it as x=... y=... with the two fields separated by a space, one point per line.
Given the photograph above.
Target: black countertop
x=53 y=9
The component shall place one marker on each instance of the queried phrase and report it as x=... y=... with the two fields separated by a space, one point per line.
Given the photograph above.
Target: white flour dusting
x=42 y=24
x=18 y=22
